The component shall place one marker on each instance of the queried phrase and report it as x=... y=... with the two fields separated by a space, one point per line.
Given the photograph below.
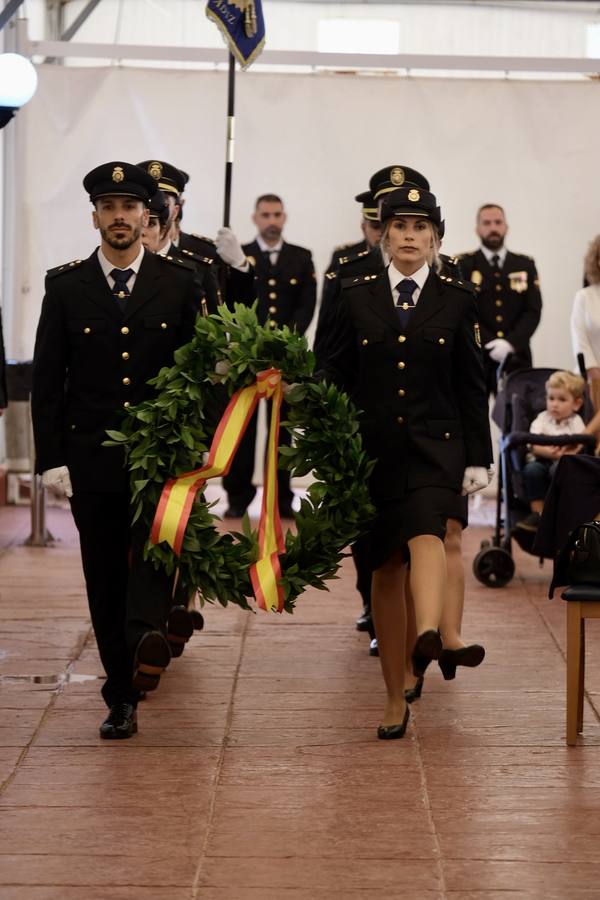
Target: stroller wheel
x=494 y=567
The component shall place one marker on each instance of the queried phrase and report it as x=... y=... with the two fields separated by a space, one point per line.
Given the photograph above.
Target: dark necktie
x=404 y=303
x=120 y=290
x=496 y=262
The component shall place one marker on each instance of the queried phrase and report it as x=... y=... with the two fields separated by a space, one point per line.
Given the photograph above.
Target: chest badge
x=476 y=277
x=518 y=281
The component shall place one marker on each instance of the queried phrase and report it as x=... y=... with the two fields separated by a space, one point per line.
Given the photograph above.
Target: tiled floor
x=256 y=774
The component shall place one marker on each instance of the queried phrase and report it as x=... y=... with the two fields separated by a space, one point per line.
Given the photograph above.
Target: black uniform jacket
x=510 y=302
x=91 y=360
x=363 y=262
x=232 y=286
x=287 y=291
x=421 y=389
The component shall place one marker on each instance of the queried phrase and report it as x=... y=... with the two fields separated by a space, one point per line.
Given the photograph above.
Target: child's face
x=561 y=403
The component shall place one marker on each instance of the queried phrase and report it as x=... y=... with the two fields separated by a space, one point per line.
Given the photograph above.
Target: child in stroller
x=565 y=394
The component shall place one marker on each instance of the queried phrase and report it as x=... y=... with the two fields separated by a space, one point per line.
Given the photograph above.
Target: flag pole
x=230 y=141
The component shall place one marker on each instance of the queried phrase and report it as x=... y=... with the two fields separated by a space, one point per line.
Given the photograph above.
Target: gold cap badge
x=155 y=170
x=118 y=174
x=476 y=277
x=414 y=195
x=397 y=176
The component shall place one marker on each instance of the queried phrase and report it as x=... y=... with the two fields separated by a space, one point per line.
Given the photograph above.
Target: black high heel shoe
x=413 y=693
x=470 y=656
x=393 y=732
x=428 y=646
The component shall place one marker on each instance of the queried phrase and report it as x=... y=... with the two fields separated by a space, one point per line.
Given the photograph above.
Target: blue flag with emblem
x=242 y=25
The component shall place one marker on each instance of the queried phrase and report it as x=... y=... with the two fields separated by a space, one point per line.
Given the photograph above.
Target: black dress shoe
x=180 y=628
x=412 y=694
x=197 y=619
x=234 y=511
x=470 y=656
x=152 y=656
x=373 y=647
x=428 y=646
x=121 y=722
x=393 y=732
x=363 y=623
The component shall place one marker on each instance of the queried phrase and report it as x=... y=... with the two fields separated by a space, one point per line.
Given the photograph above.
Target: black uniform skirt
x=459 y=509
x=399 y=519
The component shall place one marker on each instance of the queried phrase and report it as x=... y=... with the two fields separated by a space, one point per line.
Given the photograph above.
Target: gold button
x=127 y=381
x=272 y=309
x=401 y=338
x=73 y=427
x=499 y=319
x=498 y=287
x=125 y=355
x=87 y=330
x=499 y=334
x=127 y=404
x=272 y=296
x=447 y=435
x=400 y=420
x=293 y=281
x=365 y=342
x=402 y=393
x=271 y=282
x=498 y=302
x=401 y=365
x=163 y=325
x=124 y=330
x=441 y=340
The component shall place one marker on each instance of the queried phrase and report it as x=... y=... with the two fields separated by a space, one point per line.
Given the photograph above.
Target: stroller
x=521 y=397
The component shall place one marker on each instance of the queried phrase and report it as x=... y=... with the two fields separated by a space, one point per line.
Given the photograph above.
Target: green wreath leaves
x=168 y=435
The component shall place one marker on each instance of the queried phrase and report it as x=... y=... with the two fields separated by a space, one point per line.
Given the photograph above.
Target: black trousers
x=127 y=597
x=238 y=484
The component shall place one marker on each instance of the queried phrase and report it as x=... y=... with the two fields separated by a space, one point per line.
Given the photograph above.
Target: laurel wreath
x=168 y=435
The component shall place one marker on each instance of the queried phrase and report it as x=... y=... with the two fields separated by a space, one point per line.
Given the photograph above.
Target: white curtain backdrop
x=315 y=139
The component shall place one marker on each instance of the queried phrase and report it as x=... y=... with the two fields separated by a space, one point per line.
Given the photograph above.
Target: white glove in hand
x=58 y=478
x=474 y=479
x=499 y=349
x=230 y=249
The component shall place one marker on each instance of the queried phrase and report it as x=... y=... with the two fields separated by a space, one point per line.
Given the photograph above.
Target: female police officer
x=408 y=352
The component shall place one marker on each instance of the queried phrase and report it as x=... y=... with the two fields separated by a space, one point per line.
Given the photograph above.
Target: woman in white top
x=585 y=320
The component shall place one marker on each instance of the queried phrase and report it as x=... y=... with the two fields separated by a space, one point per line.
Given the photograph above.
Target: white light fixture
x=18 y=80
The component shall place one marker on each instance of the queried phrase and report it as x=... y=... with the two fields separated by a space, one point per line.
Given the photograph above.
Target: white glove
x=58 y=478
x=474 y=479
x=230 y=249
x=499 y=349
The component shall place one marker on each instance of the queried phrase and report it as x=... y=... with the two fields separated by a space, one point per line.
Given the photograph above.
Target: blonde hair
x=591 y=263
x=433 y=257
x=568 y=381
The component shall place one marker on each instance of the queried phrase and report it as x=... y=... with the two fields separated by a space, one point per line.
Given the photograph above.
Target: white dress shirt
x=585 y=325
x=546 y=424
x=107 y=267
x=419 y=277
x=272 y=251
x=489 y=255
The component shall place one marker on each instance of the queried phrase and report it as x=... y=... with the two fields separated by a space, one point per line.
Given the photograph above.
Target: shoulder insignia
x=66 y=267
x=196 y=258
x=358 y=280
x=176 y=261
x=343 y=260
x=331 y=275
x=457 y=283
x=201 y=237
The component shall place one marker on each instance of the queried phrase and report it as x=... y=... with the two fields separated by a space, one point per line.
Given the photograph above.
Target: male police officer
x=286 y=287
x=108 y=324
x=508 y=289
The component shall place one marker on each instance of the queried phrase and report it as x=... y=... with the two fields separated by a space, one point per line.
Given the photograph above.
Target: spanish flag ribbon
x=177 y=498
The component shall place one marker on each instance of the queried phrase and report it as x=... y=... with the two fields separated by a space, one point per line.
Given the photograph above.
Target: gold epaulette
x=331 y=275
x=346 y=259
x=456 y=282
x=66 y=267
x=359 y=279
x=177 y=261
x=197 y=258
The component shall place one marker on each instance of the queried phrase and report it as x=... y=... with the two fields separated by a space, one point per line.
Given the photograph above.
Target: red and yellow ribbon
x=177 y=498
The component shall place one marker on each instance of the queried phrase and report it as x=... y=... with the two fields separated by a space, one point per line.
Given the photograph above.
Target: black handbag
x=579 y=560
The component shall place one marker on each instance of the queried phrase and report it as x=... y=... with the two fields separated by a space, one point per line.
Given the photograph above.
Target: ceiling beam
x=83 y=16
x=8 y=12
